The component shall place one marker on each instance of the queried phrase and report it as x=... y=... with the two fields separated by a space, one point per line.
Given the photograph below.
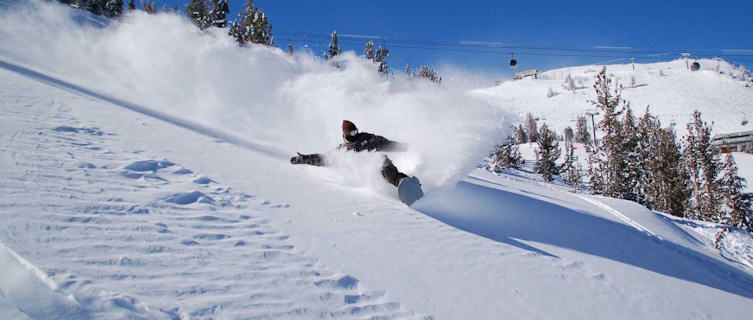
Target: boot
x=313 y=159
x=390 y=173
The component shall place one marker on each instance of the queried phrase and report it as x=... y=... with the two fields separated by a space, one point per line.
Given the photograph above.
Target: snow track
x=126 y=235
x=618 y=215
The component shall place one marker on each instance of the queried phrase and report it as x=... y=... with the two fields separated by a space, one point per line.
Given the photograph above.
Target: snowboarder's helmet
x=349 y=129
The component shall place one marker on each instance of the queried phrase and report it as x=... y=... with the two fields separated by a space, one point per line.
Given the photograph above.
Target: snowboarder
x=360 y=141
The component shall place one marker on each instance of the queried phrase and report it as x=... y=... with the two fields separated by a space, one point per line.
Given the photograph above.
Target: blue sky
x=543 y=34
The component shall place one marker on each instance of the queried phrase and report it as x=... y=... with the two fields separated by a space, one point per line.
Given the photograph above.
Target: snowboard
x=409 y=190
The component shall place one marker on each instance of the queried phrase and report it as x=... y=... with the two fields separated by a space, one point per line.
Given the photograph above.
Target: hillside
x=669 y=88
x=143 y=180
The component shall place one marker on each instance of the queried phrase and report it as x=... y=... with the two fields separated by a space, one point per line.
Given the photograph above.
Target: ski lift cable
x=527 y=53
x=498 y=45
x=524 y=53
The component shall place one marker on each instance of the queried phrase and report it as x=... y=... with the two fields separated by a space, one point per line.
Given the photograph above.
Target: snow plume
x=261 y=94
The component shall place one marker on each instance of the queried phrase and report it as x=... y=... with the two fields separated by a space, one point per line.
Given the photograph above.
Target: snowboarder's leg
x=314 y=159
x=390 y=173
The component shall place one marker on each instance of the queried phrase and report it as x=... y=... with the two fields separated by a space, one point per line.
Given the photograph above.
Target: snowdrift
x=284 y=103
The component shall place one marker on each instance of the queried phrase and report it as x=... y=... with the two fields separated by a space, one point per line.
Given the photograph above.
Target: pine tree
x=94 y=6
x=667 y=173
x=368 y=52
x=582 y=135
x=198 y=11
x=113 y=8
x=382 y=54
x=570 y=83
x=520 y=135
x=505 y=156
x=531 y=129
x=614 y=163
x=426 y=72
x=572 y=172
x=702 y=163
x=547 y=154
x=737 y=203
x=290 y=47
x=647 y=148
x=632 y=171
x=131 y=4
x=149 y=7
x=219 y=13
x=253 y=27
x=334 y=47
x=595 y=171
x=568 y=134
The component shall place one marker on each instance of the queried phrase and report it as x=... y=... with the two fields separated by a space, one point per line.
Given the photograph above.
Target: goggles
x=353 y=133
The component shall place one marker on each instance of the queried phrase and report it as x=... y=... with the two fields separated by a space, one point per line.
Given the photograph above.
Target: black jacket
x=370 y=142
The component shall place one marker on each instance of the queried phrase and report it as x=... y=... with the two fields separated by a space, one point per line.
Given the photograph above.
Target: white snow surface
x=140 y=181
x=722 y=96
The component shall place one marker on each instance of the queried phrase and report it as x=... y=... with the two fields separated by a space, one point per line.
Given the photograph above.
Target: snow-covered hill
x=671 y=90
x=144 y=181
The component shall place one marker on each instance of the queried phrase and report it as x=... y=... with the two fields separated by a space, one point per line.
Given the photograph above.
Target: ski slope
x=669 y=89
x=116 y=204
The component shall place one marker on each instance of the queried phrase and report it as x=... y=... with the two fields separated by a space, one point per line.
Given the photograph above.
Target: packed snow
x=145 y=175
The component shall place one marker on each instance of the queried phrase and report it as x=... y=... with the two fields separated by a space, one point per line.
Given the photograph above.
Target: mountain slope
x=141 y=186
x=669 y=88
x=92 y=218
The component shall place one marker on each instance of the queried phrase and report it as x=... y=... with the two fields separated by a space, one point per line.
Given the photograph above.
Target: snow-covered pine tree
x=380 y=57
x=532 y=130
x=334 y=47
x=549 y=93
x=290 y=47
x=572 y=172
x=737 y=202
x=570 y=83
x=594 y=170
x=632 y=172
x=199 y=13
x=614 y=164
x=505 y=156
x=582 y=135
x=253 y=26
x=426 y=72
x=520 y=135
x=647 y=149
x=666 y=172
x=703 y=165
x=368 y=51
x=547 y=153
x=219 y=13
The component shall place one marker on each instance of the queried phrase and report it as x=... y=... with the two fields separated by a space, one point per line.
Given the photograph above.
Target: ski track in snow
x=74 y=207
x=618 y=214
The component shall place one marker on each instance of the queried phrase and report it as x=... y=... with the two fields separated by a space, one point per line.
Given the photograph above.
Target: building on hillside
x=526 y=73
x=734 y=142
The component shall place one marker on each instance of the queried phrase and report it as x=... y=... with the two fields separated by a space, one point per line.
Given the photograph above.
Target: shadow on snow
x=510 y=218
